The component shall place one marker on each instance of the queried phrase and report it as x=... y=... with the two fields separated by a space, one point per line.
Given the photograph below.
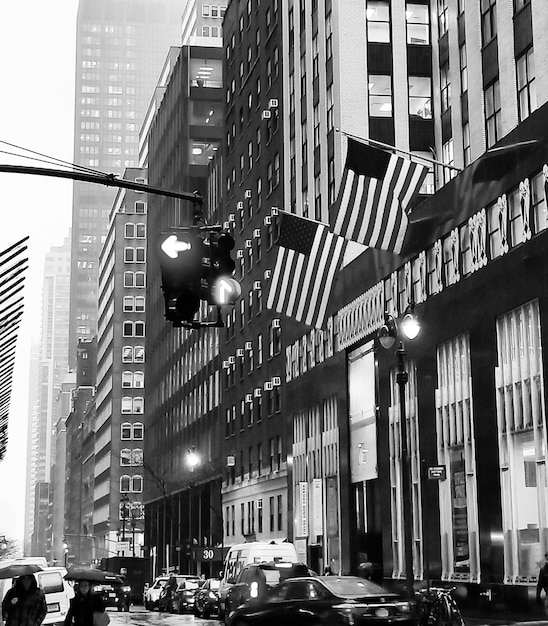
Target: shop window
x=396 y=495
x=456 y=451
x=521 y=420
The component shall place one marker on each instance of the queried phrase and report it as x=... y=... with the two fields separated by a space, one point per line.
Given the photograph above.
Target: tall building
x=120 y=48
x=119 y=403
x=51 y=367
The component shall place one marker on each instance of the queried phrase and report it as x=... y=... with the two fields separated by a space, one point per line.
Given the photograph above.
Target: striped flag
x=308 y=261
x=375 y=191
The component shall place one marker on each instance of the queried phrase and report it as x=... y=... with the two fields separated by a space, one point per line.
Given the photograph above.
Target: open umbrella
x=82 y=573
x=19 y=569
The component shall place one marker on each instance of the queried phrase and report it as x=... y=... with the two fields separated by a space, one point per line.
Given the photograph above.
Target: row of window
x=134 y=304
x=251 y=516
x=131 y=484
x=378 y=22
x=135 y=405
x=131 y=457
x=136 y=230
x=134 y=255
x=133 y=379
x=135 y=279
x=252 y=410
x=133 y=354
x=132 y=431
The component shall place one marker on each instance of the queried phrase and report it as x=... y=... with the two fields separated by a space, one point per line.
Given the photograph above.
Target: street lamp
x=387 y=335
x=65 y=551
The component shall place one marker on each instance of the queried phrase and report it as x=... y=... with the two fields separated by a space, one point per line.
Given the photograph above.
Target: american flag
x=308 y=262
x=375 y=191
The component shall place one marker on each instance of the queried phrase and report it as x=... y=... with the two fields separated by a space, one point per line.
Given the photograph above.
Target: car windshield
x=190 y=584
x=353 y=587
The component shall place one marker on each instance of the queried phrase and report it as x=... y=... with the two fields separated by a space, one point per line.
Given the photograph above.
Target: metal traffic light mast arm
x=110 y=180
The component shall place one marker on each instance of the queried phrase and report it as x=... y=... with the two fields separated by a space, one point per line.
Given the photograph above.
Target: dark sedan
x=115 y=592
x=326 y=601
x=206 y=600
x=183 y=598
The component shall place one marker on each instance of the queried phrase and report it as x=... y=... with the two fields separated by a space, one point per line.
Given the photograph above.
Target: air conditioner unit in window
x=240 y=352
x=259 y=504
x=267 y=274
x=257 y=285
x=257 y=233
x=226 y=365
x=232 y=360
x=239 y=254
x=276 y=323
x=266 y=115
x=247 y=193
x=248 y=345
x=258 y=392
x=248 y=243
x=268 y=386
x=227 y=225
x=276 y=381
x=248 y=398
x=267 y=220
x=274 y=210
x=232 y=217
x=273 y=103
x=231 y=461
x=240 y=204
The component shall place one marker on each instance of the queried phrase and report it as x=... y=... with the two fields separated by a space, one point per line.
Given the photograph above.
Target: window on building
x=125 y=456
x=128 y=304
x=127 y=379
x=139 y=304
x=129 y=279
x=418 y=24
x=280 y=512
x=138 y=405
x=466 y=144
x=272 y=512
x=127 y=405
x=259 y=458
x=378 y=21
x=137 y=457
x=137 y=484
x=127 y=354
x=521 y=425
x=380 y=95
x=138 y=431
x=420 y=96
x=140 y=231
x=445 y=87
x=463 y=62
x=493 y=116
x=443 y=11
x=527 y=95
x=138 y=379
x=126 y=431
x=129 y=230
x=140 y=255
x=139 y=352
x=488 y=20
x=125 y=483
x=129 y=255
x=447 y=155
x=455 y=436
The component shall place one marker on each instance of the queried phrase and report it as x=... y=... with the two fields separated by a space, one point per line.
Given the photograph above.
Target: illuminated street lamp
x=387 y=335
x=192 y=459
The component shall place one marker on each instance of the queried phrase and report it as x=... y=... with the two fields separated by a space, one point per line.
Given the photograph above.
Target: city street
x=139 y=615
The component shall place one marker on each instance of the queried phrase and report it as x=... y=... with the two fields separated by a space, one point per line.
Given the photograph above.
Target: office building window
x=418 y=24
x=442 y=17
x=280 y=512
x=521 y=424
x=272 y=512
x=378 y=21
x=466 y=144
x=527 y=96
x=445 y=87
x=447 y=156
x=456 y=451
x=420 y=96
x=493 y=117
x=380 y=95
x=463 y=59
x=488 y=20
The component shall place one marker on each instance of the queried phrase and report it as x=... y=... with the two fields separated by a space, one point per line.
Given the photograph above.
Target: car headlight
x=254 y=590
x=126 y=589
x=97 y=589
x=404 y=607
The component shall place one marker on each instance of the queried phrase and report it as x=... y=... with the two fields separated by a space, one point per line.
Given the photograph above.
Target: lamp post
x=65 y=551
x=387 y=335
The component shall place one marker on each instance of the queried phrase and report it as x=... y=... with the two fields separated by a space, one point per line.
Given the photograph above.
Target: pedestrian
x=542 y=583
x=25 y=603
x=328 y=571
x=86 y=608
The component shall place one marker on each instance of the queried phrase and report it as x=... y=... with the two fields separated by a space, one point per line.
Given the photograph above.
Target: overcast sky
x=37 y=50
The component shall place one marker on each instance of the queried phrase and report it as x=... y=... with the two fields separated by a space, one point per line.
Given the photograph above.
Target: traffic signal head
x=222 y=287
x=180 y=254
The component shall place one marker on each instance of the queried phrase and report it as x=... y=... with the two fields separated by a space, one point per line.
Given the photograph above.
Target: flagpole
x=393 y=148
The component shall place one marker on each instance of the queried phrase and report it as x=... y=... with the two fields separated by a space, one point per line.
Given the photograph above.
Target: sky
x=37 y=58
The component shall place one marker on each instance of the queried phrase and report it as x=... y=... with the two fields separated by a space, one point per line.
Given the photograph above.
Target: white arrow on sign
x=228 y=290
x=171 y=246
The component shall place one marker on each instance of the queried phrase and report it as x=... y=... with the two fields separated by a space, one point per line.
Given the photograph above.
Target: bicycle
x=437 y=607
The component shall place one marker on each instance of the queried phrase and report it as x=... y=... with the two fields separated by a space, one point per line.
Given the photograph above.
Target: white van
x=252 y=552
x=57 y=590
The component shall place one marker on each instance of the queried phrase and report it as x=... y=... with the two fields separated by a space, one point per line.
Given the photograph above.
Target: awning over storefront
x=13 y=267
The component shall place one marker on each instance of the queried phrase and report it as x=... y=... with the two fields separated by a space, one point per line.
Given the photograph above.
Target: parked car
x=152 y=594
x=183 y=599
x=326 y=600
x=254 y=580
x=206 y=600
x=115 y=592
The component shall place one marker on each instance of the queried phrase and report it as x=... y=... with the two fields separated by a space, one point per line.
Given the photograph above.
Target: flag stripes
x=371 y=210
x=303 y=277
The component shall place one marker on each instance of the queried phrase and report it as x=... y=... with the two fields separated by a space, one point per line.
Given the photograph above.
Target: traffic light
x=180 y=254
x=222 y=288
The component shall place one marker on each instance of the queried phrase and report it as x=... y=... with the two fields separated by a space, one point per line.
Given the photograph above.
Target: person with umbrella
x=86 y=608
x=25 y=603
